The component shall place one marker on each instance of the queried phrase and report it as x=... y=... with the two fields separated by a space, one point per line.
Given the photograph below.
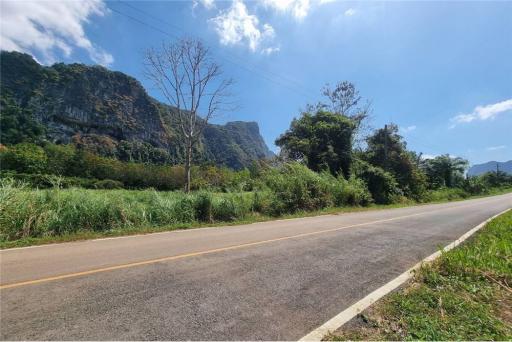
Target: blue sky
x=440 y=70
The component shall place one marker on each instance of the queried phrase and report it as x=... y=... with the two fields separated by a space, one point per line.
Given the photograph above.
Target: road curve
x=266 y=281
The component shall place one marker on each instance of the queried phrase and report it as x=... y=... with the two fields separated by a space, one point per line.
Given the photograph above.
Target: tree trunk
x=188 y=166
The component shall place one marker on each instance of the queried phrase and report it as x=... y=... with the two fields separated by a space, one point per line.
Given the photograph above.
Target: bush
x=59 y=158
x=204 y=207
x=108 y=184
x=354 y=192
x=225 y=209
x=446 y=194
x=381 y=184
x=183 y=209
x=44 y=181
x=66 y=160
x=262 y=202
x=295 y=187
x=475 y=185
x=24 y=158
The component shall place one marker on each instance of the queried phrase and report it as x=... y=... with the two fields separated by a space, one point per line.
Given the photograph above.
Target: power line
x=290 y=86
x=283 y=77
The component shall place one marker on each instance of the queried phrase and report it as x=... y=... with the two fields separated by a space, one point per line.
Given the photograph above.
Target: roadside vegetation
x=31 y=215
x=466 y=294
x=55 y=192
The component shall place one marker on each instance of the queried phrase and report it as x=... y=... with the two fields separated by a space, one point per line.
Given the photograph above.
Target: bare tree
x=345 y=100
x=190 y=81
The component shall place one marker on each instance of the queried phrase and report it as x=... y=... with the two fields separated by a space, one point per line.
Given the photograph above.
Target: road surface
x=271 y=281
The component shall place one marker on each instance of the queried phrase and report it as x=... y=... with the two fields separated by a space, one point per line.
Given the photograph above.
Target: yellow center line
x=210 y=251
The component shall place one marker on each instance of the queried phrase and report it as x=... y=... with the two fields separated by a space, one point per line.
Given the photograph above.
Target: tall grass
x=27 y=212
x=34 y=213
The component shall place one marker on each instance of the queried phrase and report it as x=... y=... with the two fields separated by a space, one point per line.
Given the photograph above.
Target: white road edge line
x=346 y=315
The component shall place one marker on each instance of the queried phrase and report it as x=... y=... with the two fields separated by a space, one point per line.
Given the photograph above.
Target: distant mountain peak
x=490 y=166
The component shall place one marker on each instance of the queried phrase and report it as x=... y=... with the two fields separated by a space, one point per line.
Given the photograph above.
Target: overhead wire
x=265 y=74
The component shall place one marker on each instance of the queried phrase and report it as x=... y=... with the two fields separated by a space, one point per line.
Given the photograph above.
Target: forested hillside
x=108 y=113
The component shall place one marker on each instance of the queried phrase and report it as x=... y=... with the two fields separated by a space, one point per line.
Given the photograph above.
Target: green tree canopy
x=17 y=123
x=445 y=170
x=323 y=141
x=387 y=150
x=25 y=158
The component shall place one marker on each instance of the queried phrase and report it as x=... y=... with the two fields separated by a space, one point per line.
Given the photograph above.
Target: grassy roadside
x=250 y=218
x=466 y=294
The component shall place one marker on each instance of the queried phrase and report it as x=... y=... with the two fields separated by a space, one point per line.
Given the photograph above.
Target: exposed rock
x=94 y=106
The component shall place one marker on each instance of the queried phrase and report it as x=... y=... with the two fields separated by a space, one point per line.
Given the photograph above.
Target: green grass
x=39 y=216
x=464 y=295
x=147 y=227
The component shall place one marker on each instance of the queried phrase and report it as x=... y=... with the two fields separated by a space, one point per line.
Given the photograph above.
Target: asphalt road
x=272 y=281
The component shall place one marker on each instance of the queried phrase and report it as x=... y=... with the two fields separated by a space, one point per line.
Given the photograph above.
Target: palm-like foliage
x=444 y=170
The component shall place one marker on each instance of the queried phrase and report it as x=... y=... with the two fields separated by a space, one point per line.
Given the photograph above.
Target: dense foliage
x=25 y=212
x=387 y=150
x=445 y=171
x=17 y=123
x=320 y=166
x=323 y=140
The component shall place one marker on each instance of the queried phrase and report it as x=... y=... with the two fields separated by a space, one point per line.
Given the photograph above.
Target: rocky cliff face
x=104 y=110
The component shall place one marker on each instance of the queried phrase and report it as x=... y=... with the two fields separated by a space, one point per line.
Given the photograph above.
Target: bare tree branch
x=190 y=83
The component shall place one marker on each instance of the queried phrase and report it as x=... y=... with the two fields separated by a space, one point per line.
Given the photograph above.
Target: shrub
x=225 y=209
x=44 y=181
x=108 y=184
x=446 y=194
x=25 y=158
x=59 y=158
x=354 y=192
x=475 y=185
x=381 y=184
x=203 y=206
x=262 y=202
x=183 y=209
x=295 y=188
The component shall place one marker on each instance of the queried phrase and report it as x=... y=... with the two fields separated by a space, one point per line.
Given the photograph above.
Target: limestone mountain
x=109 y=113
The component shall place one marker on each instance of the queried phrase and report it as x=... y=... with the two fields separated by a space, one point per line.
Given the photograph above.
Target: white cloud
x=46 y=27
x=350 y=12
x=236 y=26
x=407 y=129
x=298 y=8
x=482 y=113
x=270 y=50
x=208 y=4
x=428 y=156
x=494 y=148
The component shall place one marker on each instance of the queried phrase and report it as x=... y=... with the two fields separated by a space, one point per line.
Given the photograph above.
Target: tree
x=189 y=80
x=17 y=123
x=322 y=141
x=445 y=170
x=24 y=158
x=387 y=150
x=381 y=184
x=495 y=178
x=344 y=99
